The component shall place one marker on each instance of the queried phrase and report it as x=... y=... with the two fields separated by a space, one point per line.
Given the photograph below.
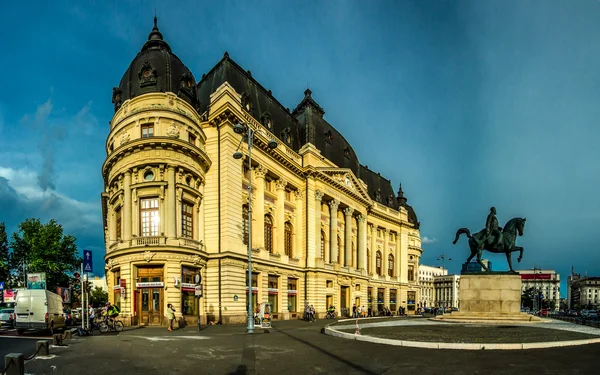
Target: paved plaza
x=291 y=347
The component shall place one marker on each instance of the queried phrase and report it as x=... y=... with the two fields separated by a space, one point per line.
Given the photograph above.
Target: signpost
x=88 y=265
x=198 y=294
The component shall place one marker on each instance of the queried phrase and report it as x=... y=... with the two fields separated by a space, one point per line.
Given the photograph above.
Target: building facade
x=473 y=266
x=447 y=291
x=583 y=292
x=544 y=282
x=427 y=275
x=325 y=229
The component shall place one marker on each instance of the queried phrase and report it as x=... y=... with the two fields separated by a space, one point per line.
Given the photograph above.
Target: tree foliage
x=44 y=248
x=4 y=260
x=98 y=297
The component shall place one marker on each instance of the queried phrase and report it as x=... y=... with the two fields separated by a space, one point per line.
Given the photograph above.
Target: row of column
x=258 y=214
x=168 y=212
x=331 y=254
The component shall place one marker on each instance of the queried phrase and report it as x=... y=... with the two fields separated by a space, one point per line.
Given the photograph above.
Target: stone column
x=258 y=208
x=348 y=236
x=397 y=256
x=280 y=217
x=126 y=213
x=361 y=244
x=318 y=198
x=385 y=252
x=373 y=231
x=333 y=206
x=171 y=199
x=298 y=237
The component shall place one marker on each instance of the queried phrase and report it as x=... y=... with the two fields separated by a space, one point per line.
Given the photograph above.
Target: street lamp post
x=247 y=131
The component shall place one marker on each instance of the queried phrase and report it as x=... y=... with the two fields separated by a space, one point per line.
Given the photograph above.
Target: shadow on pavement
x=334 y=356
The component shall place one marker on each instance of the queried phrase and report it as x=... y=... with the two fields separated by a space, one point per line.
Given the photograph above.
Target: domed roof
x=156 y=69
x=412 y=215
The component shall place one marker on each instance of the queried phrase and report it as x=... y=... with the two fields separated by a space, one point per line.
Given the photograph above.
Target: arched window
x=391 y=265
x=377 y=262
x=287 y=238
x=339 y=254
x=245 y=223
x=322 y=245
x=268 y=233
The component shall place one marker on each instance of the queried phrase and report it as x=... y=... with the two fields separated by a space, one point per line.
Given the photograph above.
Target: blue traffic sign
x=88 y=265
x=1 y=285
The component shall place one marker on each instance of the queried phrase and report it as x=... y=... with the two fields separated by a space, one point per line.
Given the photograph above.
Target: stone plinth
x=490 y=297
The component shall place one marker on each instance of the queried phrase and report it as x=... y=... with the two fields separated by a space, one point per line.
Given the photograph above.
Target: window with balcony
x=147 y=130
x=391 y=265
x=149 y=217
x=187 y=220
x=287 y=238
x=378 y=263
x=322 y=245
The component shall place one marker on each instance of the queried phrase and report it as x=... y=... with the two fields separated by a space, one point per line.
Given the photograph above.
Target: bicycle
x=89 y=331
x=106 y=325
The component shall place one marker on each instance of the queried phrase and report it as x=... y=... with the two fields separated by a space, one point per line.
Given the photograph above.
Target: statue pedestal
x=490 y=298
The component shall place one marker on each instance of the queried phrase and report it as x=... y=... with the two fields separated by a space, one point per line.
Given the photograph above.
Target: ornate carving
x=147 y=75
x=116 y=98
x=298 y=194
x=179 y=194
x=172 y=131
x=196 y=259
x=134 y=194
x=334 y=203
x=148 y=255
x=348 y=211
x=361 y=218
x=161 y=194
x=260 y=171
x=110 y=264
x=377 y=195
x=280 y=184
x=125 y=138
x=318 y=195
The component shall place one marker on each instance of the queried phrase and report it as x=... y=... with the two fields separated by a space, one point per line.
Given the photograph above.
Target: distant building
x=447 y=290
x=426 y=278
x=545 y=282
x=100 y=282
x=473 y=266
x=583 y=292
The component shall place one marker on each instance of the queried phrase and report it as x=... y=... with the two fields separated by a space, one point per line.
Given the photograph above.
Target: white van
x=39 y=310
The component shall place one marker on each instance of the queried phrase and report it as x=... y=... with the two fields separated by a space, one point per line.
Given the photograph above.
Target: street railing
x=15 y=362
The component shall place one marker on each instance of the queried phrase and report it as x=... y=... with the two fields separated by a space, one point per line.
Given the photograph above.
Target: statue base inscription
x=490 y=298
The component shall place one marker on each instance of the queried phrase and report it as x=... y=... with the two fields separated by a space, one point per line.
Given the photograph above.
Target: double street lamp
x=248 y=133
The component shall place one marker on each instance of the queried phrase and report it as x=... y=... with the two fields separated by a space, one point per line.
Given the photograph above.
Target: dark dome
x=412 y=215
x=156 y=69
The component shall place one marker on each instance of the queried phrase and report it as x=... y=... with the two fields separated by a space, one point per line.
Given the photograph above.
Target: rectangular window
x=411 y=273
x=149 y=217
x=192 y=138
x=117 y=291
x=189 y=303
x=329 y=283
x=273 y=290
x=187 y=220
x=118 y=222
x=392 y=300
x=255 y=302
x=288 y=195
x=147 y=130
x=292 y=294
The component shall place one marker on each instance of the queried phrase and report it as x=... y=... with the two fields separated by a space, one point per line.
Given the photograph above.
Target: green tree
x=4 y=259
x=98 y=297
x=44 y=248
x=527 y=298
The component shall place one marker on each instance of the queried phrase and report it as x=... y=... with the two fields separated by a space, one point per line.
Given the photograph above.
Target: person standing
x=92 y=315
x=170 y=316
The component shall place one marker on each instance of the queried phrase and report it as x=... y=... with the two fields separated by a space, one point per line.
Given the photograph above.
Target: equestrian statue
x=495 y=239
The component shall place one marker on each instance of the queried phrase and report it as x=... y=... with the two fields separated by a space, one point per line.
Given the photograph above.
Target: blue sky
x=468 y=103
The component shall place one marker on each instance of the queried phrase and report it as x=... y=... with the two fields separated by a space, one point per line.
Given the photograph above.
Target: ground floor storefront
x=143 y=284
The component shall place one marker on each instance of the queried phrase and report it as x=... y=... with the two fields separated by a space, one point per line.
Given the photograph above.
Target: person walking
x=170 y=316
x=92 y=315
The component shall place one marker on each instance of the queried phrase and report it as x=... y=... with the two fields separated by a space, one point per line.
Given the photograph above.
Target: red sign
x=123 y=283
x=536 y=276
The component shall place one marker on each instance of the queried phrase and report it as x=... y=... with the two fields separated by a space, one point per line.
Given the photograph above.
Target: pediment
x=346 y=179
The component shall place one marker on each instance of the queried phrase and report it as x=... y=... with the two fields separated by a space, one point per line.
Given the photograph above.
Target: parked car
x=7 y=318
x=39 y=309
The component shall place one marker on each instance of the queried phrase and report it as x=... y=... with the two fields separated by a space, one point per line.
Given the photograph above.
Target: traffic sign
x=88 y=265
x=1 y=285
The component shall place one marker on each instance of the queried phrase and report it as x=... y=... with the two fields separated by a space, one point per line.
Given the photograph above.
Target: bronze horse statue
x=481 y=241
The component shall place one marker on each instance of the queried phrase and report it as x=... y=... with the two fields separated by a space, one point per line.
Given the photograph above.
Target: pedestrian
x=354 y=310
x=92 y=315
x=170 y=316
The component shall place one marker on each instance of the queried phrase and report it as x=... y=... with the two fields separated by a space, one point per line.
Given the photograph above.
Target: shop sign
x=292 y=292
x=150 y=284
x=272 y=290
x=117 y=288
x=188 y=287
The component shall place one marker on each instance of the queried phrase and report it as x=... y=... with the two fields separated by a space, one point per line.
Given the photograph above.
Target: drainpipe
x=219 y=215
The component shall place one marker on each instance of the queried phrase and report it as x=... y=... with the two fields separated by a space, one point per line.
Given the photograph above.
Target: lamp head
x=239 y=128
x=273 y=144
x=237 y=155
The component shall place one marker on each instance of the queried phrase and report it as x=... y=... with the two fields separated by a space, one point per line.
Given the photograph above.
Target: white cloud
x=427 y=240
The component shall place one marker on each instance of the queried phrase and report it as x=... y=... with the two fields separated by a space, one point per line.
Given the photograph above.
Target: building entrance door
x=344 y=300
x=150 y=296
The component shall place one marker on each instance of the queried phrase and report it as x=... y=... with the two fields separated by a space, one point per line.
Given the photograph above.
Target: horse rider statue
x=492 y=229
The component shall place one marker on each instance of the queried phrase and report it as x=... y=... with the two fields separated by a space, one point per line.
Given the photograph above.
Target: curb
x=460 y=346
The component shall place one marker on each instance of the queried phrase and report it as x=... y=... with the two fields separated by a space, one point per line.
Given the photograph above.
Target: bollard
x=42 y=348
x=57 y=339
x=14 y=363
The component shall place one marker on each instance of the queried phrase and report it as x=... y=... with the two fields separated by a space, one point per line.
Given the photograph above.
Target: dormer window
x=328 y=137
x=246 y=103
x=286 y=136
x=147 y=75
x=265 y=119
x=347 y=152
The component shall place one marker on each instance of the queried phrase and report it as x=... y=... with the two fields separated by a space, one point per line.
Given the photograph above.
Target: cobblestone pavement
x=291 y=347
